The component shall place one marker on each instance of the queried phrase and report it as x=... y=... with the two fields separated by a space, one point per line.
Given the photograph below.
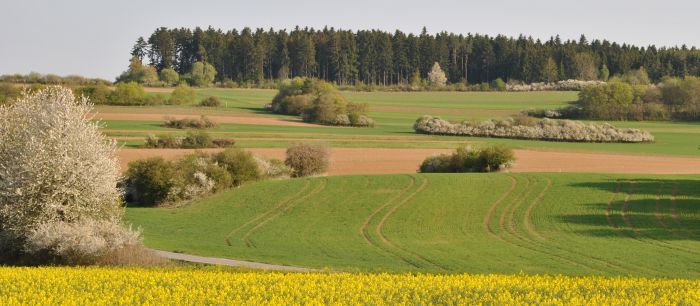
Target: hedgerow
x=545 y=129
x=468 y=159
x=202 y=122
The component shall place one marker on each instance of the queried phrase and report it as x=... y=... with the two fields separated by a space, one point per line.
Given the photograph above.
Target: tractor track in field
x=494 y=205
x=310 y=224
x=528 y=212
x=364 y=228
x=282 y=211
x=506 y=215
x=533 y=232
x=537 y=246
x=387 y=241
x=616 y=227
x=284 y=200
x=504 y=229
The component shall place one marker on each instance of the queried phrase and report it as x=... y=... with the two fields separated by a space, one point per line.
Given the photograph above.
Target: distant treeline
x=51 y=79
x=383 y=58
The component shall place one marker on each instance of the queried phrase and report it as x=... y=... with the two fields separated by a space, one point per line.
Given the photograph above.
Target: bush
x=98 y=94
x=607 y=101
x=130 y=93
x=439 y=164
x=197 y=140
x=240 y=164
x=155 y=99
x=202 y=74
x=318 y=102
x=547 y=129
x=164 y=142
x=273 y=168
x=156 y=181
x=467 y=159
x=182 y=94
x=81 y=242
x=498 y=85
x=202 y=122
x=307 y=159
x=169 y=76
x=196 y=176
x=496 y=157
x=210 y=101
x=682 y=96
x=326 y=108
x=148 y=182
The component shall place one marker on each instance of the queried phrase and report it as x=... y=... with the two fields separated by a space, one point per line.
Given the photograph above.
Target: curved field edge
x=188 y=286
x=573 y=224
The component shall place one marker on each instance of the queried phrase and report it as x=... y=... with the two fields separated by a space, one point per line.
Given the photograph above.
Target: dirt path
x=345 y=161
x=231 y=262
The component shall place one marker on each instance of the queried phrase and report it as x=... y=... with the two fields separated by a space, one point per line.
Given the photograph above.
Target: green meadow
x=574 y=224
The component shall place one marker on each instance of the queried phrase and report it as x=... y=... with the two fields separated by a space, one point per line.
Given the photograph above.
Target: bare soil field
x=347 y=161
x=255 y=120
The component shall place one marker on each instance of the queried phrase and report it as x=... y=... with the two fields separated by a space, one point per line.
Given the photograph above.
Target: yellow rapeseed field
x=188 y=286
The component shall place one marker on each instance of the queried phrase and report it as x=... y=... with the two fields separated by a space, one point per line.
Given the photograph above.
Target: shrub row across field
x=202 y=122
x=157 y=181
x=137 y=286
x=191 y=140
x=467 y=159
x=526 y=128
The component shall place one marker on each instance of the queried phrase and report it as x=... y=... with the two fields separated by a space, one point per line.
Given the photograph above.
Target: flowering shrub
x=307 y=159
x=58 y=181
x=55 y=164
x=155 y=181
x=546 y=129
x=192 y=140
x=189 y=123
x=273 y=168
x=81 y=242
x=566 y=85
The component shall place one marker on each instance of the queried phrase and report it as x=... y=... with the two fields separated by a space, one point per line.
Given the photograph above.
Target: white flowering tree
x=55 y=165
x=436 y=76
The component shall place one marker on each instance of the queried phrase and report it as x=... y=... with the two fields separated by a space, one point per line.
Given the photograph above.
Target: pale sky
x=94 y=37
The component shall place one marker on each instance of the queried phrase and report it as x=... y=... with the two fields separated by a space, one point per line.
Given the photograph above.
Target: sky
x=93 y=38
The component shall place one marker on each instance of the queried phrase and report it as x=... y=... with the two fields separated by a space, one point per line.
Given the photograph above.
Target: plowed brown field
x=385 y=161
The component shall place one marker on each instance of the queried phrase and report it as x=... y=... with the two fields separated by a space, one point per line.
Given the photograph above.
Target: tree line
x=383 y=58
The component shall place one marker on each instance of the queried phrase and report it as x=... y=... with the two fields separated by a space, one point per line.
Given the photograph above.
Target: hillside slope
x=479 y=223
